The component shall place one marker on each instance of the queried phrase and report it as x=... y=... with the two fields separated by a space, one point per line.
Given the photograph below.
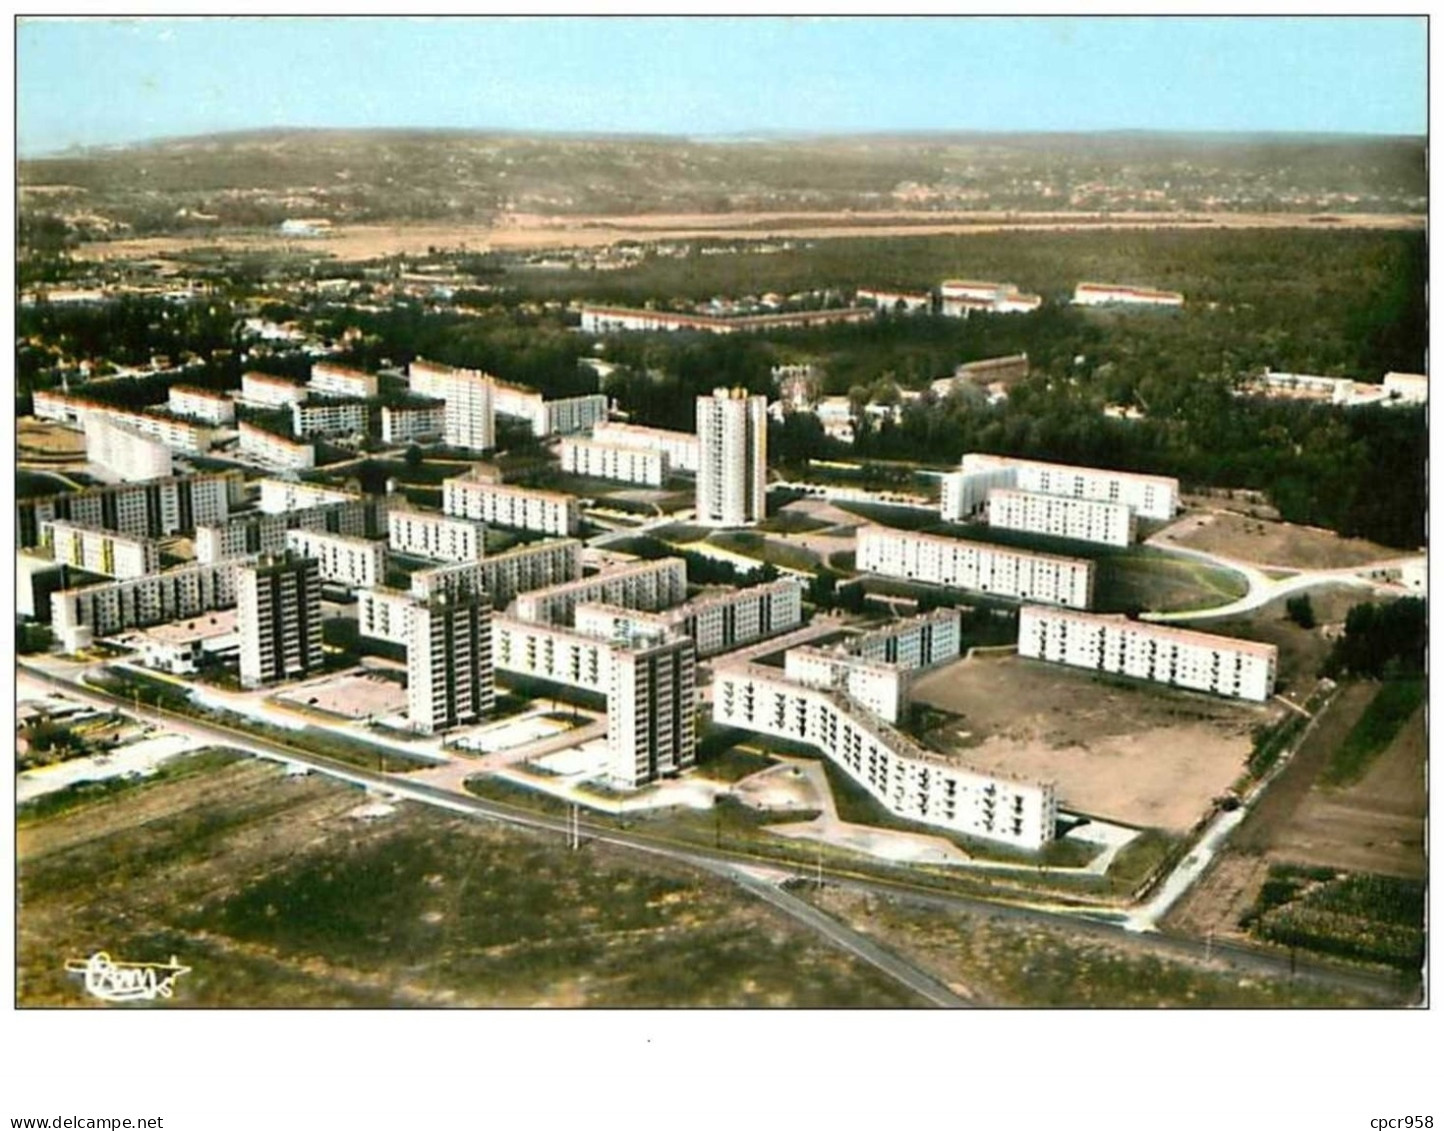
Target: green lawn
x=763 y=549
x=1146 y=579
x=1384 y=717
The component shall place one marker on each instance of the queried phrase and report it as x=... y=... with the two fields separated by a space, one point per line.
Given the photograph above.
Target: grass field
x=275 y=895
x=762 y=549
x=82 y=793
x=1391 y=708
x=1146 y=579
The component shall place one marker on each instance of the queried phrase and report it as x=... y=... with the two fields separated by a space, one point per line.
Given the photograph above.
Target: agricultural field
x=1138 y=753
x=278 y=892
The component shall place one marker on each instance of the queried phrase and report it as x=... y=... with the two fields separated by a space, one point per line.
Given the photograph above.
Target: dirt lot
x=1141 y=754
x=1276 y=543
x=48 y=440
x=276 y=893
x=1301 y=651
x=523 y=232
x=350 y=695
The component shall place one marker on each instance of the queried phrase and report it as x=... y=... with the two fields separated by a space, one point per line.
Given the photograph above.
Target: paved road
x=1098 y=923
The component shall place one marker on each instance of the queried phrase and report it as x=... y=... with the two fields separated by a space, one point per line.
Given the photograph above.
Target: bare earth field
x=523 y=232
x=1276 y=543
x=1143 y=755
x=276 y=893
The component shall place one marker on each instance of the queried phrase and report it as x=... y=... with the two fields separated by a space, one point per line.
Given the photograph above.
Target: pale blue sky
x=110 y=81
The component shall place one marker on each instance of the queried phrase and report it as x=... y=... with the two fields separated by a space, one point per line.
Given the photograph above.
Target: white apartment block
x=502 y=576
x=271 y=450
x=449 y=676
x=563 y=416
x=545 y=651
x=1105 y=294
x=918 y=642
x=339 y=381
x=1150 y=496
x=682 y=449
x=716 y=622
x=651 y=710
x=469 y=415
x=960 y=297
x=1407 y=388
x=80 y=615
x=608 y=320
x=732 y=474
x=243 y=535
x=430 y=535
x=324 y=416
x=356 y=563
x=965 y=493
x=613 y=461
x=520 y=507
x=423 y=418
x=281 y=495
x=906 y=779
x=646 y=585
x=103 y=551
x=269 y=391
x=1199 y=661
x=124 y=451
x=385 y=614
x=996 y=570
x=1083 y=520
x=201 y=404
x=188 y=436
x=151 y=509
x=877 y=685
x=278 y=616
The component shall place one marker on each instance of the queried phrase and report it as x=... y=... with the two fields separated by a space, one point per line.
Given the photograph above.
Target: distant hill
x=259 y=178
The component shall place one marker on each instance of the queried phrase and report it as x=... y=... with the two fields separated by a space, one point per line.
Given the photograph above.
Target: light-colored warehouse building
x=978 y=566
x=519 y=507
x=103 y=551
x=646 y=585
x=1109 y=294
x=1199 y=661
x=613 y=461
x=1083 y=520
x=436 y=536
x=356 y=563
x=906 y=779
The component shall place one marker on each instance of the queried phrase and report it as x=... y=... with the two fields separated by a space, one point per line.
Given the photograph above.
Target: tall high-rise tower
x=278 y=616
x=449 y=678
x=651 y=709
x=732 y=462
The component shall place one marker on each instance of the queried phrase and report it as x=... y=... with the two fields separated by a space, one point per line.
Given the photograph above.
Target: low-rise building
x=184 y=647
x=353 y=562
x=961 y=297
x=614 y=319
x=613 y=461
x=908 y=780
x=270 y=449
x=895 y=302
x=200 y=404
x=1199 y=661
x=519 y=507
x=646 y=585
x=334 y=380
x=1060 y=516
x=430 y=535
x=1408 y=388
x=102 y=551
x=999 y=571
x=1106 y=294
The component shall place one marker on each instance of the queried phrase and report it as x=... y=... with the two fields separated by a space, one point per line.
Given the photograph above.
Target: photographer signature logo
x=127 y=981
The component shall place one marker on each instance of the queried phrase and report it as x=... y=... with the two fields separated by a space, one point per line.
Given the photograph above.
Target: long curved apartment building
x=908 y=780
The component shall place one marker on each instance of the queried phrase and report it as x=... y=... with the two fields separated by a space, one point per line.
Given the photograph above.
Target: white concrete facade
x=1199 y=661
x=906 y=779
x=449 y=676
x=470 y=419
x=151 y=509
x=278 y=616
x=1150 y=496
x=424 y=420
x=267 y=390
x=321 y=416
x=919 y=642
x=124 y=451
x=202 y=404
x=651 y=710
x=502 y=576
x=879 y=686
x=356 y=563
x=716 y=622
x=436 y=536
x=1407 y=388
x=732 y=474
x=499 y=505
x=613 y=461
x=682 y=449
x=562 y=416
x=271 y=450
x=545 y=651
x=385 y=614
x=646 y=585
x=281 y=495
x=978 y=566
x=157 y=598
x=103 y=551
x=340 y=381
x=1083 y=520
x=188 y=436
x=1105 y=294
